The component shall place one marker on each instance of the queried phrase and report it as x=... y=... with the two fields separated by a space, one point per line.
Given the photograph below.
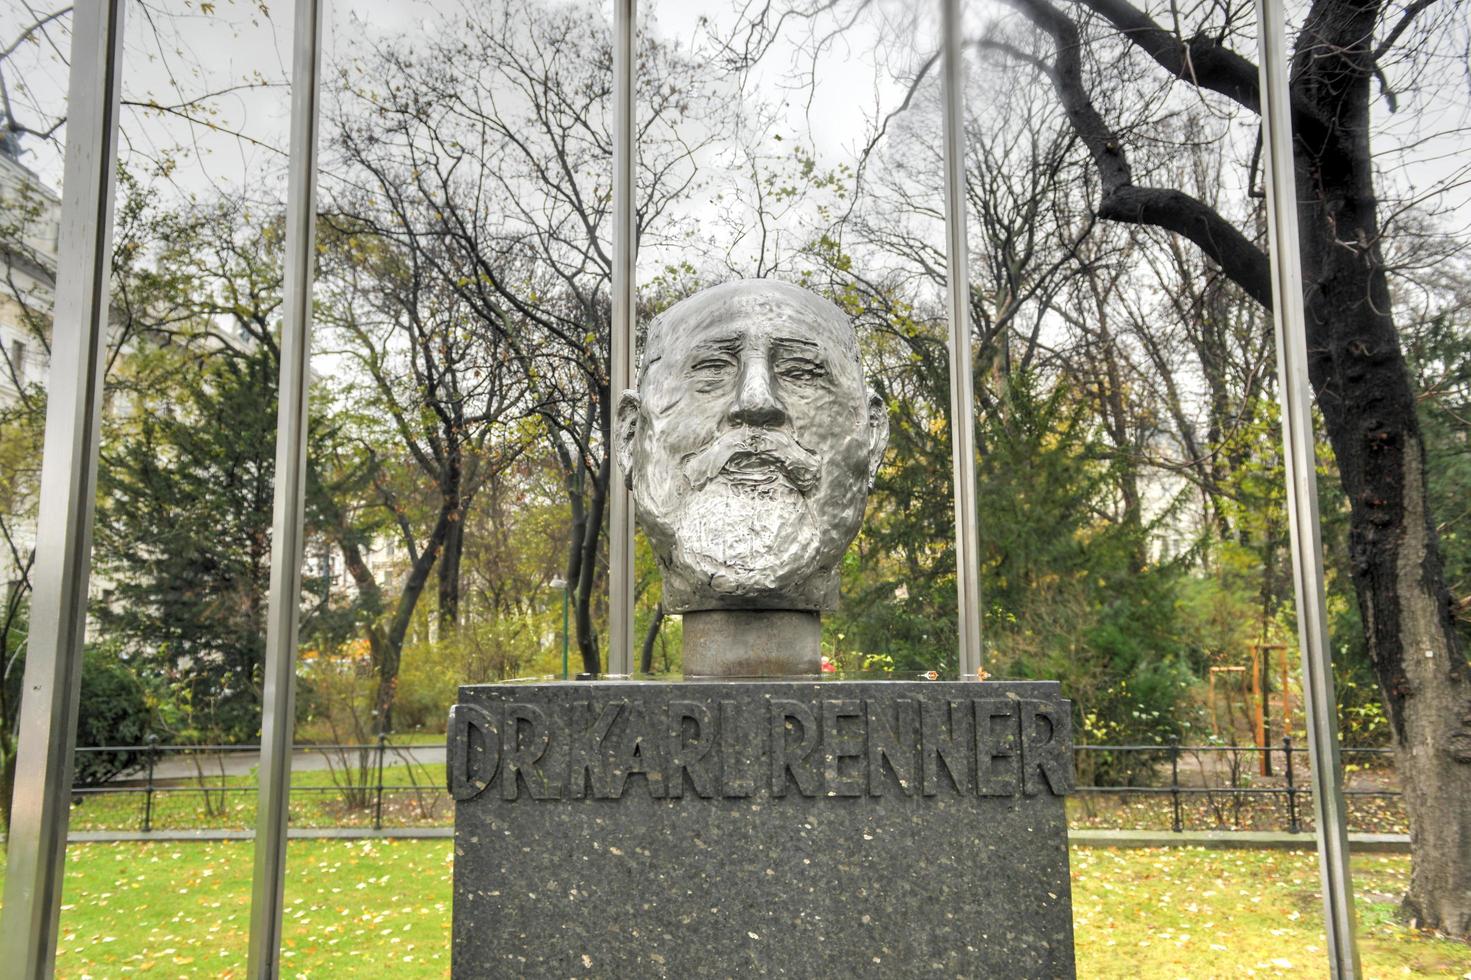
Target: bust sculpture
x=750 y=446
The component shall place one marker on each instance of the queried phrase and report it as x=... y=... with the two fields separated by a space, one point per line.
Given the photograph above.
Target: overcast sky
x=176 y=46
x=189 y=51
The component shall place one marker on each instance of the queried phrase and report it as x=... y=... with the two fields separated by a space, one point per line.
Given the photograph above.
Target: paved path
x=183 y=766
x=1257 y=839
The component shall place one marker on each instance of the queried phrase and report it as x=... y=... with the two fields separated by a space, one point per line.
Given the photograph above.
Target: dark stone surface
x=780 y=828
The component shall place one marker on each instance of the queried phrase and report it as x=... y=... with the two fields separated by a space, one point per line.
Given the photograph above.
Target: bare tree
x=195 y=100
x=487 y=152
x=1118 y=71
x=1355 y=364
x=447 y=394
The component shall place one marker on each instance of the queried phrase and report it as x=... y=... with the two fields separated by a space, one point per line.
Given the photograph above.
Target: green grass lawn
x=381 y=908
x=1190 y=912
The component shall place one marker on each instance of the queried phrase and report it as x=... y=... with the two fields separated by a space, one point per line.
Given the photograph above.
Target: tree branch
x=1122 y=200
x=1411 y=12
x=1203 y=61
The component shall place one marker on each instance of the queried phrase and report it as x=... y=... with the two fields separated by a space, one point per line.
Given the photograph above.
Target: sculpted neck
x=752 y=643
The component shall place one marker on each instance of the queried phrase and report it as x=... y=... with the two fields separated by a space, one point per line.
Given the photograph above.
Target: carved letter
x=1047 y=746
x=893 y=744
x=524 y=741
x=588 y=756
x=474 y=751
x=945 y=746
x=639 y=752
x=737 y=753
x=784 y=758
x=841 y=742
x=689 y=754
x=998 y=754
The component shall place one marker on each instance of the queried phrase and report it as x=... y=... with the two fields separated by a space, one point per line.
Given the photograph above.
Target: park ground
x=372 y=908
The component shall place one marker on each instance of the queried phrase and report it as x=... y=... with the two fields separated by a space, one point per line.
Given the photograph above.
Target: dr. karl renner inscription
x=765 y=823
x=1002 y=747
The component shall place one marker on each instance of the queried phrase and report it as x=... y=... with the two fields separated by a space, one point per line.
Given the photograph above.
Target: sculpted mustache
x=760 y=446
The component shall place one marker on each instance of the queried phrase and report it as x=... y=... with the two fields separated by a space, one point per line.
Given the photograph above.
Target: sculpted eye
x=800 y=369
x=712 y=373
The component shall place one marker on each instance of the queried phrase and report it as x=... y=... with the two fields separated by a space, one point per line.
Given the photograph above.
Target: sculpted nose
x=755 y=403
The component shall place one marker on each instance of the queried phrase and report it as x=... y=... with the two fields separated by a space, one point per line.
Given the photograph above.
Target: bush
x=1362 y=721
x=113 y=710
x=335 y=694
x=512 y=645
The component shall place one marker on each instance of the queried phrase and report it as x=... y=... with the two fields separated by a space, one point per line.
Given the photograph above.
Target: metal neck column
x=53 y=672
x=962 y=386
x=1302 y=492
x=278 y=711
x=620 y=374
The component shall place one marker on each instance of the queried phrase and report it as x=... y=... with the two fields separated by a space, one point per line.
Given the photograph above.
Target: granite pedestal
x=749 y=828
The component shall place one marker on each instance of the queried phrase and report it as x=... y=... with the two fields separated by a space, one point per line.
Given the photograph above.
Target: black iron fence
x=387 y=783
x=1230 y=787
x=377 y=784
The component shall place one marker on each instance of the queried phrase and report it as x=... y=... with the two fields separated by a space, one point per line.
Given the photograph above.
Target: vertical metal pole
x=278 y=711
x=962 y=386
x=1177 y=821
x=48 y=714
x=620 y=374
x=566 y=601
x=148 y=791
x=1292 y=823
x=1302 y=492
x=378 y=796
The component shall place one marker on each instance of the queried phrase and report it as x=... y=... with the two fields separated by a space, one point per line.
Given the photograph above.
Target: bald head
x=769 y=305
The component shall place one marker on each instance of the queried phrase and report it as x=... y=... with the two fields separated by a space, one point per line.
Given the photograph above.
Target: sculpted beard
x=746 y=522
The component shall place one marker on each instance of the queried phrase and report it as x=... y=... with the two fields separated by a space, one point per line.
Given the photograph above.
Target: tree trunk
x=449 y=575
x=646 y=656
x=387 y=647
x=386 y=641
x=8 y=747
x=10 y=705
x=1369 y=414
x=1364 y=391
x=587 y=637
x=581 y=561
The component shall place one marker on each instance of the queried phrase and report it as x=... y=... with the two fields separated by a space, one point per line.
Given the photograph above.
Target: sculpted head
x=750 y=447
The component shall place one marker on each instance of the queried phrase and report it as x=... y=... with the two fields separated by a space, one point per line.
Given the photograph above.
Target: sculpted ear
x=627 y=432
x=878 y=434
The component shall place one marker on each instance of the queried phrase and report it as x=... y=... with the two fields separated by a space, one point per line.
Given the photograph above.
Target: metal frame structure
x=278 y=700
x=625 y=321
x=1319 y=707
x=53 y=675
x=962 y=383
x=28 y=929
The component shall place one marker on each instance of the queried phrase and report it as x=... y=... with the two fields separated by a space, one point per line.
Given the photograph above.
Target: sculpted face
x=750 y=446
